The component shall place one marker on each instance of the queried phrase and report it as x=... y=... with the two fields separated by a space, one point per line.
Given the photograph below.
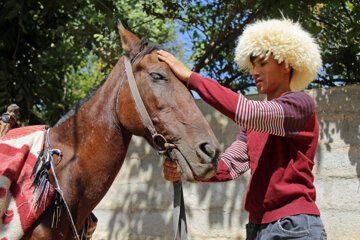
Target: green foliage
x=53 y=52
x=337 y=25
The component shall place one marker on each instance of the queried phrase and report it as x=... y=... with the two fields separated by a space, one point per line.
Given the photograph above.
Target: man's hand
x=180 y=70
x=170 y=171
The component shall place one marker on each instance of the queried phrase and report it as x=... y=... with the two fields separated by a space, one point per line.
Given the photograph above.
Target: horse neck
x=94 y=146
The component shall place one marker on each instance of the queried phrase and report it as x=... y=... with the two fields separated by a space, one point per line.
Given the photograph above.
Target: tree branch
x=323 y=21
x=347 y=12
x=214 y=43
x=106 y=7
x=224 y=38
x=144 y=22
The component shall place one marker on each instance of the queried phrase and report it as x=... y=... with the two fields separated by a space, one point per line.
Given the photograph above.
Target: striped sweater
x=283 y=116
x=278 y=143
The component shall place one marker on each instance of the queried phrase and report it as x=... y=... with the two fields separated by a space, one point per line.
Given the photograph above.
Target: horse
x=95 y=135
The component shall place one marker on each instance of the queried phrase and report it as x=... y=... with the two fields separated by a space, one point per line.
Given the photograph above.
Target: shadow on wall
x=339 y=118
x=140 y=197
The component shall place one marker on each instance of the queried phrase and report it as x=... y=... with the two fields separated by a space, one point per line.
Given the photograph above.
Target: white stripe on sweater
x=260 y=116
x=236 y=158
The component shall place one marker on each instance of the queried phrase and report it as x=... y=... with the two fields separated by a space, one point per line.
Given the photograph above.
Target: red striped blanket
x=19 y=150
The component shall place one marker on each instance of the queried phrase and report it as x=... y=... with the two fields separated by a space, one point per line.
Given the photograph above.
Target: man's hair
x=252 y=58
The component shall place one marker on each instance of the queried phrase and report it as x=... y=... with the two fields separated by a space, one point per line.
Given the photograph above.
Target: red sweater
x=278 y=143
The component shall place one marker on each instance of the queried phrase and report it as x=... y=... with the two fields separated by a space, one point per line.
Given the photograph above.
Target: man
x=279 y=138
x=8 y=120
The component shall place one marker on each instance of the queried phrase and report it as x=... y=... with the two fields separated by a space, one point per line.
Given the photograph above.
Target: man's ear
x=130 y=42
x=288 y=69
x=285 y=69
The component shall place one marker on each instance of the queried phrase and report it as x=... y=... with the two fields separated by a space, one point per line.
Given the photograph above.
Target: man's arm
x=282 y=116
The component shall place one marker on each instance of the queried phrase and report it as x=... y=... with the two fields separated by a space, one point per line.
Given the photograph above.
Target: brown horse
x=94 y=137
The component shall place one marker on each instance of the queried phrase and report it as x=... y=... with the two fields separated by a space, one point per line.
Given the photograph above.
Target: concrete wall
x=139 y=203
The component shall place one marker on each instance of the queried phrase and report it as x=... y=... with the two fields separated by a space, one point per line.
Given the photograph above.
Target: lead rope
x=179 y=216
x=49 y=159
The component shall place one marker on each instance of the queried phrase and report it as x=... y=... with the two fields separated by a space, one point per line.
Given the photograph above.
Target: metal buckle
x=159 y=142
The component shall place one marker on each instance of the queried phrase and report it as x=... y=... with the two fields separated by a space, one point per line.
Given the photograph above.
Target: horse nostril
x=207 y=151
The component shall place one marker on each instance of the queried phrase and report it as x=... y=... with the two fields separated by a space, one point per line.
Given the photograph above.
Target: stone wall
x=139 y=203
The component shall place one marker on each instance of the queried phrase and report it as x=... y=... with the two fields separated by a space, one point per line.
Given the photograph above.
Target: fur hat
x=286 y=41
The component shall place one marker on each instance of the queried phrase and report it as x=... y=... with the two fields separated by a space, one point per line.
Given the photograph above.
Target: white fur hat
x=286 y=41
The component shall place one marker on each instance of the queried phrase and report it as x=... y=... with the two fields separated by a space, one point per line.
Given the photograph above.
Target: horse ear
x=130 y=42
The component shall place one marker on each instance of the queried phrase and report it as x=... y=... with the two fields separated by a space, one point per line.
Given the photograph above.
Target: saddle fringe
x=42 y=188
x=41 y=193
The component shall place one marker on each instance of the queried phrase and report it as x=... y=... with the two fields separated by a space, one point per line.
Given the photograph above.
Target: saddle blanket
x=19 y=150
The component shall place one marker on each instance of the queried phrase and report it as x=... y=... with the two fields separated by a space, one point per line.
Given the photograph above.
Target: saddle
x=18 y=159
x=8 y=120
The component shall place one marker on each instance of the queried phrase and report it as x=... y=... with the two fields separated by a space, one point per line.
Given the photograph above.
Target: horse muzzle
x=200 y=166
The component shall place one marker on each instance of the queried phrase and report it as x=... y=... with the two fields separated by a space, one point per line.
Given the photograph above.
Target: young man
x=280 y=135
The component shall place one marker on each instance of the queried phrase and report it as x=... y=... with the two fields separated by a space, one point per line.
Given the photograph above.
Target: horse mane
x=81 y=103
x=146 y=46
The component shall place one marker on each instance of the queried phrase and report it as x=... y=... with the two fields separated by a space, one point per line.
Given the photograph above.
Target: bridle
x=163 y=148
x=159 y=142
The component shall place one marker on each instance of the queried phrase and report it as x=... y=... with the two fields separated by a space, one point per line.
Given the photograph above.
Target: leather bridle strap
x=136 y=96
x=179 y=217
x=159 y=140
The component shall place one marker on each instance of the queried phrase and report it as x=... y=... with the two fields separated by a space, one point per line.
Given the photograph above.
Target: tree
x=53 y=52
x=337 y=25
x=214 y=27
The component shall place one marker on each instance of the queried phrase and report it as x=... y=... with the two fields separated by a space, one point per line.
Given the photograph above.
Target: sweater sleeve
x=234 y=161
x=283 y=116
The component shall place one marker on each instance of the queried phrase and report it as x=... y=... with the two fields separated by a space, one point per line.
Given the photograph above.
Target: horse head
x=171 y=108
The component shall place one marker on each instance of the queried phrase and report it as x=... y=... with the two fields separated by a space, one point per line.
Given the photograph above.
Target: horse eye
x=157 y=76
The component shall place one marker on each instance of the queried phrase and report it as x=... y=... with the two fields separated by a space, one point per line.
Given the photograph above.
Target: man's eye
x=157 y=76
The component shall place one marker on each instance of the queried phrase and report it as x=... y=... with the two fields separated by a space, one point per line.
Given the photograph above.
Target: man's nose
x=255 y=72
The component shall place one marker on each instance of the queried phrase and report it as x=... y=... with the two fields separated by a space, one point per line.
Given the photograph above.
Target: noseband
x=163 y=147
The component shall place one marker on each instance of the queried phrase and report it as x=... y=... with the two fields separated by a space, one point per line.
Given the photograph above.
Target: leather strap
x=179 y=217
x=137 y=98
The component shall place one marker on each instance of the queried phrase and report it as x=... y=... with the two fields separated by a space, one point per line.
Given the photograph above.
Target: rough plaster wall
x=139 y=203
x=337 y=169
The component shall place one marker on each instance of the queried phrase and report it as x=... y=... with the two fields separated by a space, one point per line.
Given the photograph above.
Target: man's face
x=269 y=75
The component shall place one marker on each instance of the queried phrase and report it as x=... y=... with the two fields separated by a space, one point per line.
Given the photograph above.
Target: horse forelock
x=146 y=47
